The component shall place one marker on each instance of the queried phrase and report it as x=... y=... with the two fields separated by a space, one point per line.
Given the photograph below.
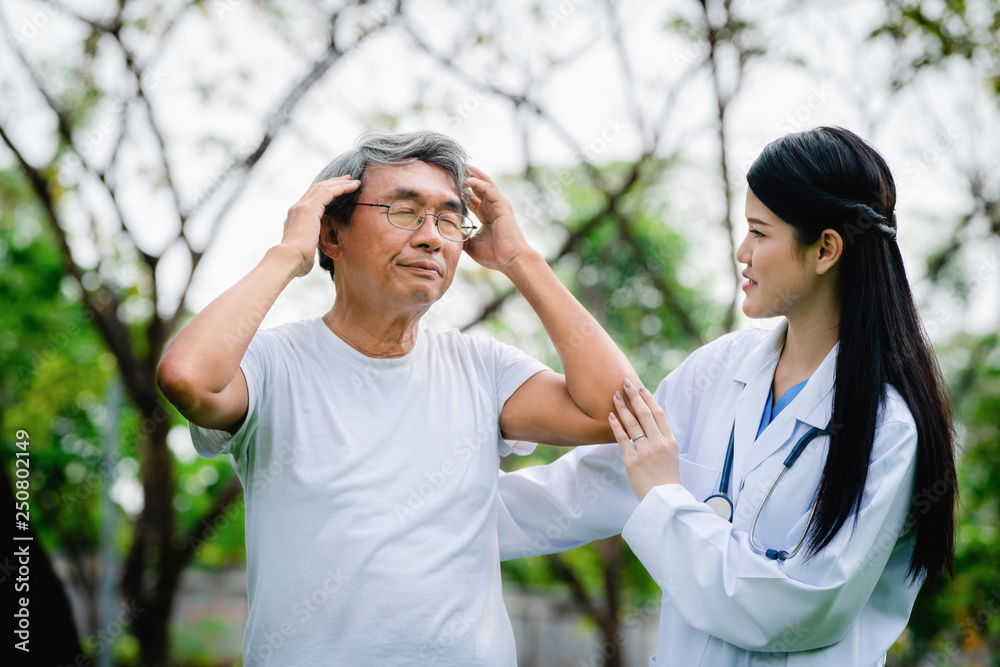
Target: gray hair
x=385 y=148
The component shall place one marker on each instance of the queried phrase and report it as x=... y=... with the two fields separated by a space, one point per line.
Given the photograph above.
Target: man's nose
x=427 y=235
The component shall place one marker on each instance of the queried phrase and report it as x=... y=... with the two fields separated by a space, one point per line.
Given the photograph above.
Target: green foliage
x=197 y=644
x=624 y=268
x=54 y=372
x=964 y=612
x=201 y=480
x=958 y=620
x=940 y=31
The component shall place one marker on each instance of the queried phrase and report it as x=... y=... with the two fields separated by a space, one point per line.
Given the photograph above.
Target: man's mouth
x=428 y=268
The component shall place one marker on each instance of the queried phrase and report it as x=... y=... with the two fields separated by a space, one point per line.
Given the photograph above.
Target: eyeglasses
x=406 y=215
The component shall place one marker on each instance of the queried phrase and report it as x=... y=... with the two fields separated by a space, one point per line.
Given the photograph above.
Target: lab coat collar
x=755 y=374
x=763 y=356
x=812 y=407
x=815 y=402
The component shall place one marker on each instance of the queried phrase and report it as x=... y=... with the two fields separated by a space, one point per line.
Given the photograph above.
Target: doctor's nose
x=743 y=253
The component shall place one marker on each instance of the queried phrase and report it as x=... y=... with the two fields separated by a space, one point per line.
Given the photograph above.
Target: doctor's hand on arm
x=200 y=369
x=647 y=443
x=569 y=409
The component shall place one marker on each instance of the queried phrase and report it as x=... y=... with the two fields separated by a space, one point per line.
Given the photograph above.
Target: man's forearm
x=592 y=363
x=205 y=355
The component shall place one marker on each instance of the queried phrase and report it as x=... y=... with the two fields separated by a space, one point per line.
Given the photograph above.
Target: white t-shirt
x=370 y=490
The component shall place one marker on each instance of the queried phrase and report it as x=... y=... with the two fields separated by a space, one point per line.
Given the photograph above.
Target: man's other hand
x=500 y=243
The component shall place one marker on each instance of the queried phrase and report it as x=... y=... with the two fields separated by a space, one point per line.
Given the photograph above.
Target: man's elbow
x=175 y=383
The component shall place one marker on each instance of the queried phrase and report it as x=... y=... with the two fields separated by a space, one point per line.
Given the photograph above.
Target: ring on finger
x=641 y=435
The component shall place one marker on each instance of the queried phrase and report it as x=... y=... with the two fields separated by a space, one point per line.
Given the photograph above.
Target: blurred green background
x=140 y=138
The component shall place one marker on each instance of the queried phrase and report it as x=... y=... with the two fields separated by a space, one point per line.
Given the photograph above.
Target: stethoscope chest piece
x=721 y=505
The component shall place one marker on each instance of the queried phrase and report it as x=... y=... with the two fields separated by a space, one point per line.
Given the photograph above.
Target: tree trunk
x=152 y=630
x=151 y=571
x=611 y=629
x=604 y=613
x=159 y=552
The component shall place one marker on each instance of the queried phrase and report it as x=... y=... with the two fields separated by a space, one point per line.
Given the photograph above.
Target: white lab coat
x=723 y=602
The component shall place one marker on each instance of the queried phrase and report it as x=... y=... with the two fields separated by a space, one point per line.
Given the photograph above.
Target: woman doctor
x=808 y=559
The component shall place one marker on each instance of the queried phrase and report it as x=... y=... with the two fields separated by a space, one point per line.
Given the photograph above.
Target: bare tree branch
x=628 y=77
x=139 y=69
x=519 y=100
x=714 y=36
x=64 y=129
x=109 y=26
x=101 y=305
x=154 y=127
x=245 y=166
x=609 y=211
x=161 y=41
x=670 y=102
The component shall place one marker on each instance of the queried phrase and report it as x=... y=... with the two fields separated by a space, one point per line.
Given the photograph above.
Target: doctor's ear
x=828 y=248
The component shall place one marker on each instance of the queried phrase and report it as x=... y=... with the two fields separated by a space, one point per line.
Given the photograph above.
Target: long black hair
x=829 y=178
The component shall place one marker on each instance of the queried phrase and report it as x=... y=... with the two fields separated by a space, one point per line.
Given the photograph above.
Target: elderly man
x=367 y=446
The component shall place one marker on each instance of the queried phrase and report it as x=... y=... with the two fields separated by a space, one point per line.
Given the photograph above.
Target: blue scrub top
x=771 y=409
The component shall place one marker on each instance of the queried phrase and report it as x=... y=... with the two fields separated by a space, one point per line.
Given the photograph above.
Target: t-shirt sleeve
x=211 y=442
x=512 y=368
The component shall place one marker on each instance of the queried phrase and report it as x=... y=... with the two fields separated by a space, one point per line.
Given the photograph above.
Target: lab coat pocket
x=702 y=481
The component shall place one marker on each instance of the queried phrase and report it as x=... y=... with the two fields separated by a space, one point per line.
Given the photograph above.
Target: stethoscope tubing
x=800 y=446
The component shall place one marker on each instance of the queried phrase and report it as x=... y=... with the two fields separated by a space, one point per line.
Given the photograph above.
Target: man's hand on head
x=500 y=243
x=302 y=226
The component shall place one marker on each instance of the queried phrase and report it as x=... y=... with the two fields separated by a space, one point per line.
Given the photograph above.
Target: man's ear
x=829 y=248
x=329 y=237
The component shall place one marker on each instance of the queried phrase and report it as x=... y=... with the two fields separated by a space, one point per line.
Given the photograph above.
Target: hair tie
x=890 y=232
x=887 y=231
x=869 y=218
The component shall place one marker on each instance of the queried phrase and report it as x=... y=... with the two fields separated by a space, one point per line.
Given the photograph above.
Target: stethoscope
x=723 y=506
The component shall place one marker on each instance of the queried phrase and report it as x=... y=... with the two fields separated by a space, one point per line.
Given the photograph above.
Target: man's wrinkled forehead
x=416 y=181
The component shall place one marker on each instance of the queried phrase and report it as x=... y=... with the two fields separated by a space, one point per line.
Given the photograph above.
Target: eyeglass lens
x=451 y=224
